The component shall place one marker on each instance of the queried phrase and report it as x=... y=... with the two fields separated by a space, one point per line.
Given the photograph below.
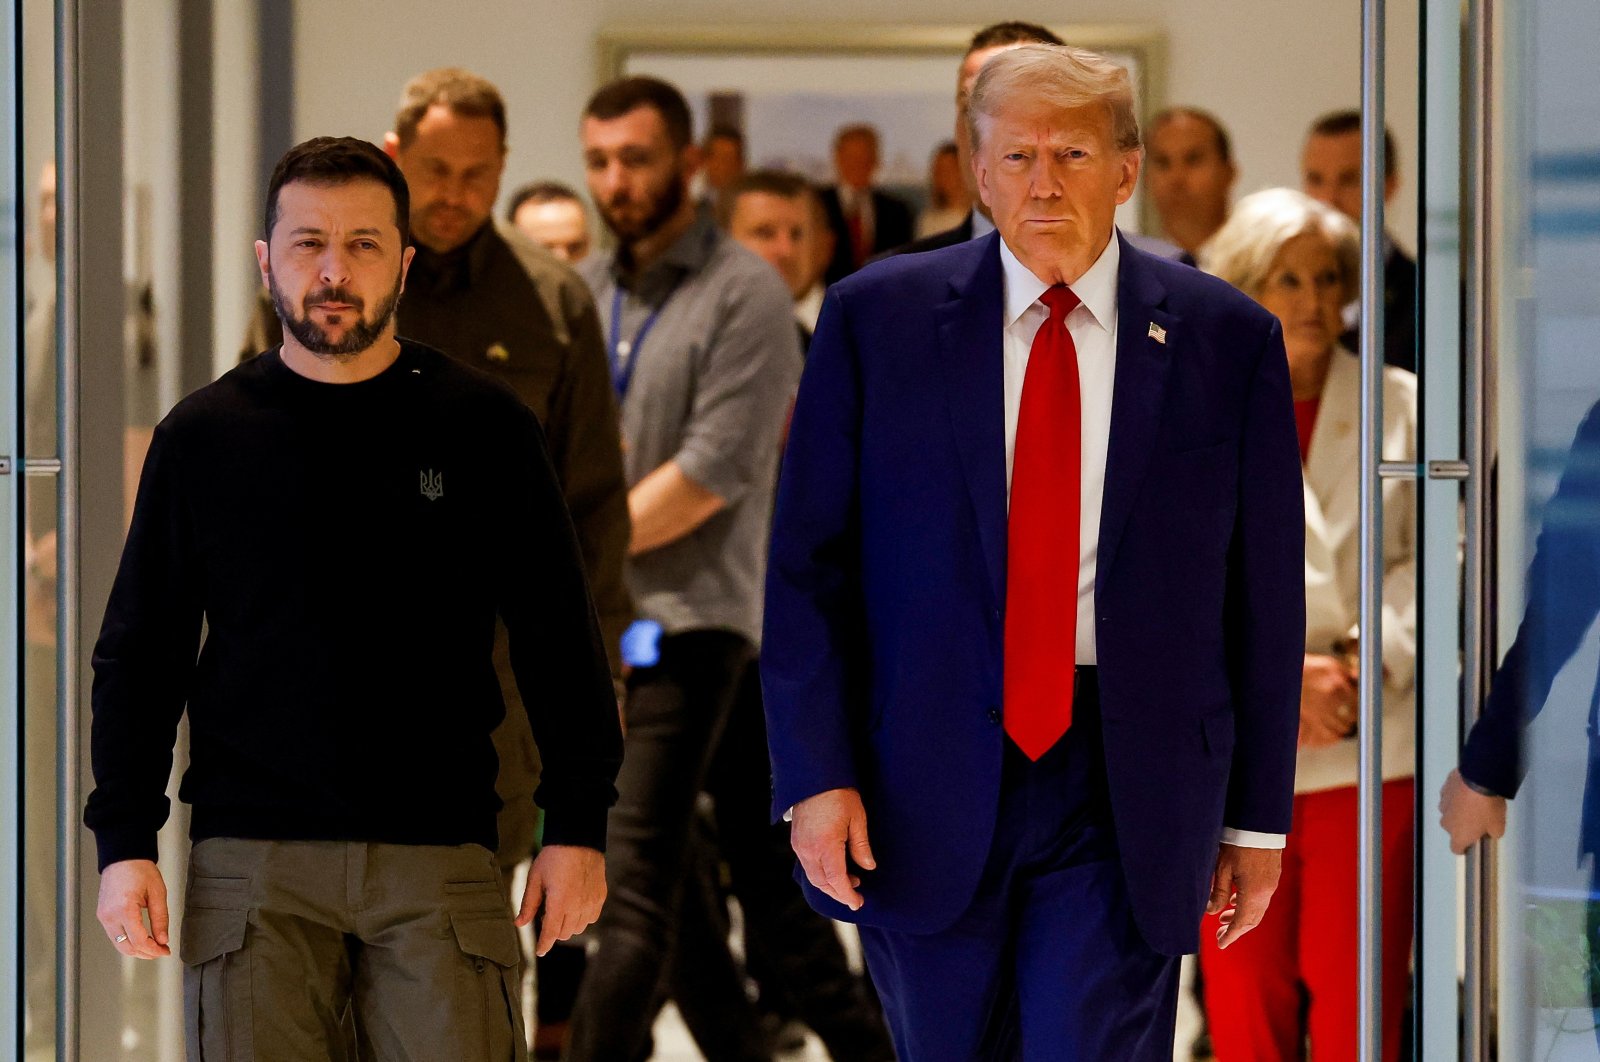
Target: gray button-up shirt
x=710 y=385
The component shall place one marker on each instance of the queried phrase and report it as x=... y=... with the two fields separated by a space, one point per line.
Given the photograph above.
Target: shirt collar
x=689 y=253
x=1096 y=289
x=461 y=267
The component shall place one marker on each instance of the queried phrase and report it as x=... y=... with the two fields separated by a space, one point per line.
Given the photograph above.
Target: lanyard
x=624 y=353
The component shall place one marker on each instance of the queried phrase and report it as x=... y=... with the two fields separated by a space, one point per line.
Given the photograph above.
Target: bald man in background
x=1191 y=176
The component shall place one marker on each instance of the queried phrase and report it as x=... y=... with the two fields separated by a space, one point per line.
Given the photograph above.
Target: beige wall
x=1267 y=67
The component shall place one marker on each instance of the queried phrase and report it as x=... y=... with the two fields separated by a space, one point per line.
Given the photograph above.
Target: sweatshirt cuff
x=579 y=827
x=115 y=845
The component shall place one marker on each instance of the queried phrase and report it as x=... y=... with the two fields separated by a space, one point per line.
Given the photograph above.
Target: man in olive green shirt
x=487 y=295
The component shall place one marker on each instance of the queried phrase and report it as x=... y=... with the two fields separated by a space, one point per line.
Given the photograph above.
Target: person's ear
x=264 y=262
x=405 y=265
x=391 y=145
x=690 y=159
x=1130 y=174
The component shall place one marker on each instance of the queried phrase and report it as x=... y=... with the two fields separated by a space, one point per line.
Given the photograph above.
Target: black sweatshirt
x=348 y=547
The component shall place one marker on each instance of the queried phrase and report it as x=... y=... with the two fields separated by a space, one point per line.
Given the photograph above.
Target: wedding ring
x=120 y=938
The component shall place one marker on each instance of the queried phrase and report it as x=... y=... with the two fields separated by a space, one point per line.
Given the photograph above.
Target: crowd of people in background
x=717 y=271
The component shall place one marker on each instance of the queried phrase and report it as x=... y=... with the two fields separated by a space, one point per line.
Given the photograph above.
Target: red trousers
x=1252 y=990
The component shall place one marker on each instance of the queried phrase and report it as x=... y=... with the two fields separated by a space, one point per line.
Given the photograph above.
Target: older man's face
x=1053 y=178
x=856 y=161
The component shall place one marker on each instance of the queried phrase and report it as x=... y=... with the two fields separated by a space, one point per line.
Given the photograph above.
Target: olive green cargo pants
x=282 y=940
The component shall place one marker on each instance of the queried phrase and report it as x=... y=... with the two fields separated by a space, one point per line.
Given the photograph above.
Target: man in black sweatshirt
x=347 y=515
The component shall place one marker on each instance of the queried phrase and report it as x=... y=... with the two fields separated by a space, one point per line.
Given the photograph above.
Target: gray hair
x=1060 y=75
x=1243 y=250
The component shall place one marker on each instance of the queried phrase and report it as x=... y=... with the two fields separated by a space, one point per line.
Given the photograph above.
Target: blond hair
x=1059 y=75
x=464 y=93
x=1243 y=250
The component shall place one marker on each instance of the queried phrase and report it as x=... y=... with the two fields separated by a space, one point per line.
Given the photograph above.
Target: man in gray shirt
x=705 y=360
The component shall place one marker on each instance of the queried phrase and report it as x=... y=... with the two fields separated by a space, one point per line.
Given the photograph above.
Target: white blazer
x=1333 y=569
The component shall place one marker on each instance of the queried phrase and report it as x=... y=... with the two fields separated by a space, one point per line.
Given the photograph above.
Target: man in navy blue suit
x=1035 y=611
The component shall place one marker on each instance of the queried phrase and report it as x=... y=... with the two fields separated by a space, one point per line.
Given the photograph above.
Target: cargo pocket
x=488 y=943
x=216 y=985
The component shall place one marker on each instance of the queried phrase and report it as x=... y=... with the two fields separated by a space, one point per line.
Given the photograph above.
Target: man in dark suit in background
x=1039 y=443
x=864 y=220
x=1330 y=171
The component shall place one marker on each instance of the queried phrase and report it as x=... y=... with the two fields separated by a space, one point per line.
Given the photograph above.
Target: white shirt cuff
x=1251 y=839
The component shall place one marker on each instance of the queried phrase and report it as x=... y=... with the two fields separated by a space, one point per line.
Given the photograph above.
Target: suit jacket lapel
x=1331 y=462
x=1138 y=392
x=1325 y=619
x=973 y=362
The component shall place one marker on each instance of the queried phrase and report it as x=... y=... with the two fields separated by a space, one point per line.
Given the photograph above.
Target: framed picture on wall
x=789 y=89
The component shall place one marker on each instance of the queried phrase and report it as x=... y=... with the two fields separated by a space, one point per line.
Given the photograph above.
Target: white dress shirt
x=1093 y=326
x=853 y=200
x=808 y=307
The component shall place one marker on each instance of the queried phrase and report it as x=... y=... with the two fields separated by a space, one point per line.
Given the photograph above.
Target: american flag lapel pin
x=1158 y=333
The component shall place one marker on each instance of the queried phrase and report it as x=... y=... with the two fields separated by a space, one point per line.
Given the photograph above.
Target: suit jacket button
x=994 y=716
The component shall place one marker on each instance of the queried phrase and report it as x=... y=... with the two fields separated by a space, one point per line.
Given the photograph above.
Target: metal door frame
x=11 y=596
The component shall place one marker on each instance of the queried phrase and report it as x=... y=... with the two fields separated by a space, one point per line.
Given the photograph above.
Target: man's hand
x=1327 y=701
x=825 y=827
x=1469 y=816
x=570 y=882
x=127 y=890
x=1242 y=888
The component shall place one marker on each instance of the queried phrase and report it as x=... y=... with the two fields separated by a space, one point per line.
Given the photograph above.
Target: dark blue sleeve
x=1266 y=601
x=1563 y=600
x=812 y=642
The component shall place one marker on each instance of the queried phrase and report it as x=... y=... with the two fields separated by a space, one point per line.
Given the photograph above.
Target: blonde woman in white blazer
x=1301 y=260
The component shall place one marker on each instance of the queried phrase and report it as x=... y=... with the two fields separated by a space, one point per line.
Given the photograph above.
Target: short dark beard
x=361 y=336
x=666 y=207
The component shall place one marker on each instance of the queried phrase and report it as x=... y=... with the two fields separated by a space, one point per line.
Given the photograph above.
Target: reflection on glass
x=40 y=558
x=1547 y=307
x=39 y=772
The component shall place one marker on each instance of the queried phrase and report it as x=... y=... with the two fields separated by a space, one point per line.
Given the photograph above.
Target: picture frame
x=787 y=87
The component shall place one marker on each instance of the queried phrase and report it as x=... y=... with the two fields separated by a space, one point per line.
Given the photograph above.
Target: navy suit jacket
x=1563 y=601
x=892 y=226
x=882 y=654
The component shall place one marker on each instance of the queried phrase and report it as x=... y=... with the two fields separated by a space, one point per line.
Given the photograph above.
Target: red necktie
x=1041 y=633
x=858 y=232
